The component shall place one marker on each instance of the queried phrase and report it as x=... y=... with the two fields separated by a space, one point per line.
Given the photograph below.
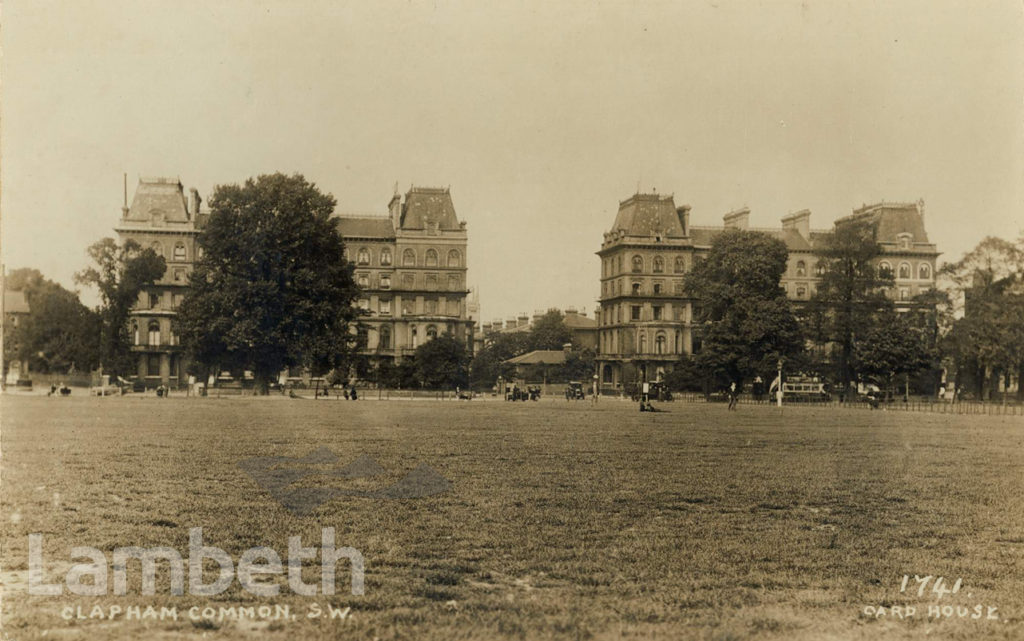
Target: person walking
x=732 y=396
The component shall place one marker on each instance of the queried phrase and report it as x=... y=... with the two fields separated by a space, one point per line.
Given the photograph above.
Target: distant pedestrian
x=346 y=393
x=732 y=396
x=353 y=394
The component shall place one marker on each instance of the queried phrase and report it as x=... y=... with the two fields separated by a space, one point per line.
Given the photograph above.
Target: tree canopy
x=272 y=288
x=746 y=324
x=120 y=273
x=442 y=362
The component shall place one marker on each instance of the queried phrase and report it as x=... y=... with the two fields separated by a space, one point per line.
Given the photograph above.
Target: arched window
x=454 y=258
x=415 y=337
x=157 y=247
x=643 y=343
x=638 y=263
x=409 y=258
x=154 y=333
x=679 y=342
x=819 y=268
x=431 y=258
x=885 y=270
x=659 y=344
x=385 y=338
x=659 y=264
x=680 y=265
x=801 y=268
x=179 y=250
x=431 y=332
x=385 y=256
x=363 y=257
x=636 y=289
x=135 y=333
x=924 y=271
x=904 y=270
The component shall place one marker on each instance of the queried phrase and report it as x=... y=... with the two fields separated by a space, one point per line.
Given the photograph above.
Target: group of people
x=63 y=389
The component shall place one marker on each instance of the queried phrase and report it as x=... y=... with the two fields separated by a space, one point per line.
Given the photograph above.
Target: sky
x=540 y=116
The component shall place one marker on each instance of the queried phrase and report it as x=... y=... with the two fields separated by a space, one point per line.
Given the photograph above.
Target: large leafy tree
x=986 y=290
x=442 y=363
x=549 y=331
x=850 y=298
x=272 y=289
x=893 y=347
x=60 y=334
x=120 y=273
x=489 y=363
x=747 y=324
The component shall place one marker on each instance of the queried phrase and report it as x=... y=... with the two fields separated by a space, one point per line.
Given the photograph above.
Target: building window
x=409 y=258
x=407 y=307
x=154 y=301
x=385 y=307
x=431 y=306
x=363 y=257
x=454 y=308
x=904 y=270
x=135 y=333
x=408 y=282
x=643 y=343
x=179 y=251
x=924 y=271
x=801 y=269
x=659 y=264
x=677 y=287
x=636 y=289
x=819 y=268
x=680 y=265
x=415 y=337
x=154 y=334
x=620 y=263
x=453 y=282
x=885 y=270
x=657 y=288
x=431 y=258
x=659 y=344
x=454 y=258
x=638 y=264
x=385 y=338
x=385 y=281
x=432 y=282
x=364 y=304
x=153 y=365
x=157 y=247
x=176 y=300
x=634 y=312
x=363 y=280
x=657 y=312
x=431 y=332
x=903 y=294
x=179 y=275
x=385 y=256
x=801 y=291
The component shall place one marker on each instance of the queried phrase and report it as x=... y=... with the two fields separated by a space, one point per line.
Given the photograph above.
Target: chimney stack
x=124 y=208
x=395 y=208
x=683 y=211
x=196 y=201
x=800 y=221
x=738 y=219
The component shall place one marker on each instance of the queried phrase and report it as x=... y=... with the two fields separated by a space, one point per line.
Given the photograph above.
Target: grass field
x=562 y=520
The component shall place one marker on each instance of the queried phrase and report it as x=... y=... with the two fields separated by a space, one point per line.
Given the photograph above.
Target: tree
x=120 y=274
x=851 y=293
x=549 y=332
x=891 y=348
x=60 y=334
x=986 y=288
x=747 y=323
x=442 y=363
x=489 y=363
x=272 y=288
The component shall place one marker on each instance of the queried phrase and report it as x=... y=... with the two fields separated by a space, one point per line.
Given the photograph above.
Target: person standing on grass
x=732 y=396
x=353 y=393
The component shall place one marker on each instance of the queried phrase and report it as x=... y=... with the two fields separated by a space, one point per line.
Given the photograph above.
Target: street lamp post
x=778 y=393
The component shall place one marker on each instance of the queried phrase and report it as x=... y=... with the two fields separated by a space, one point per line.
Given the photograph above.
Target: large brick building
x=411 y=267
x=646 y=318
x=161 y=218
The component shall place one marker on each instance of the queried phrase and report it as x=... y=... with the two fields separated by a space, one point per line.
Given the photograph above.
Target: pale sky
x=541 y=116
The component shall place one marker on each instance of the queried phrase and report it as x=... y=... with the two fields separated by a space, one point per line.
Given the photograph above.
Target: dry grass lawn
x=563 y=520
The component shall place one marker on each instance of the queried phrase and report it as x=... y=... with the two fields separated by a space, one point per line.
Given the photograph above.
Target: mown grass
x=564 y=520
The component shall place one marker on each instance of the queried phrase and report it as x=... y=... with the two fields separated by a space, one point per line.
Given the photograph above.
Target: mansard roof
x=425 y=206
x=158 y=197
x=365 y=227
x=892 y=219
x=648 y=215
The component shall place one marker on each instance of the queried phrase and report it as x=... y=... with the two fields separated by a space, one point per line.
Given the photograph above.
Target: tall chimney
x=683 y=212
x=124 y=207
x=395 y=208
x=738 y=219
x=800 y=221
x=196 y=200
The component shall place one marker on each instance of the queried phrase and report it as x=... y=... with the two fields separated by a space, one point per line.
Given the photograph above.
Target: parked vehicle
x=797 y=389
x=574 y=391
